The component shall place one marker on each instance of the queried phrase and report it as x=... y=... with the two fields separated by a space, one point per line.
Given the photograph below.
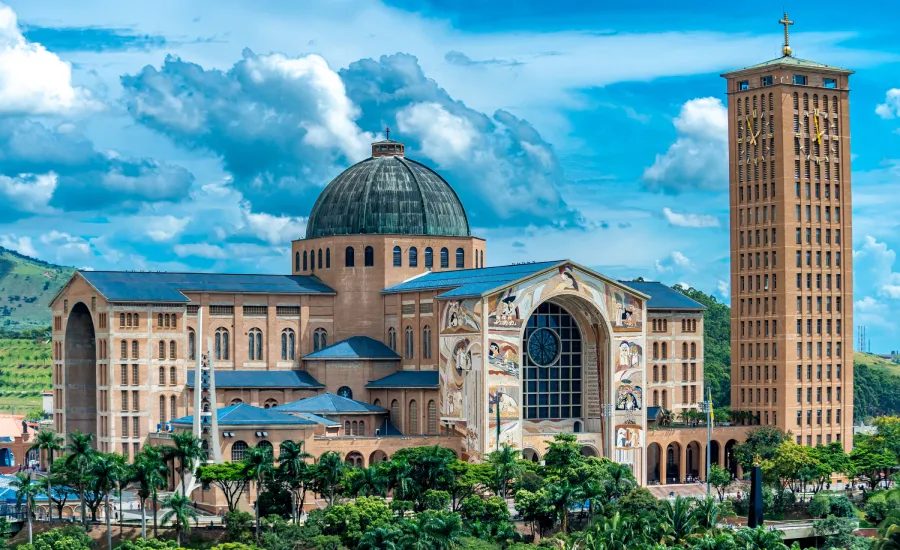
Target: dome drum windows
x=369 y=256
x=349 y=257
x=429 y=258
x=398 y=257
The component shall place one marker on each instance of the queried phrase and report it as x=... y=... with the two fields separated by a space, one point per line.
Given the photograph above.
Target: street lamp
x=607 y=413
x=707 y=407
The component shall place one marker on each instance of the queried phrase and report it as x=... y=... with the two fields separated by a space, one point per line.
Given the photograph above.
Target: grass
x=26 y=287
x=873 y=361
x=25 y=370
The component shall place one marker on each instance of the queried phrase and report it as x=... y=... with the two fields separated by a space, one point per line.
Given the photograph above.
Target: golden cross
x=786 y=49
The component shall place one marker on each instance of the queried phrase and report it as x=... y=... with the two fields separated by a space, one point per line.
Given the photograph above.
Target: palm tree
x=26 y=489
x=106 y=471
x=889 y=539
x=328 y=474
x=292 y=462
x=680 y=518
x=441 y=530
x=707 y=513
x=49 y=442
x=506 y=466
x=180 y=512
x=78 y=461
x=401 y=478
x=149 y=473
x=380 y=538
x=259 y=464
x=187 y=449
x=665 y=417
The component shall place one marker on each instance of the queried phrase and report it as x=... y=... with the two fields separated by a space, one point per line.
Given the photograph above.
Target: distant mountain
x=26 y=287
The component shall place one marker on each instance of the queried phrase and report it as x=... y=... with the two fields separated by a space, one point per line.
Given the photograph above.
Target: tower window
x=766 y=80
x=429 y=258
x=413 y=257
x=800 y=80
x=744 y=85
x=349 y=260
x=398 y=257
x=369 y=256
x=829 y=83
x=445 y=258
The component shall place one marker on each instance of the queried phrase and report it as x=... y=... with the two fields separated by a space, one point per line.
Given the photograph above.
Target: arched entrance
x=354 y=458
x=653 y=463
x=377 y=456
x=81 y=372
x=590 y=450
x=714 y=452
x=693 y=459
x=730 y=462
x=673 y=463
x=531 y=454
x=7 y=459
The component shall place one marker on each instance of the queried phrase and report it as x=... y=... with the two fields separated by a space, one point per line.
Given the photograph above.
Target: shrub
x=148 y=544
x=72 y=537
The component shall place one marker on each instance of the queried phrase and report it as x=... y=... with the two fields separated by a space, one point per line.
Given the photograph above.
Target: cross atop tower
x=387 y=130
x=786 y=49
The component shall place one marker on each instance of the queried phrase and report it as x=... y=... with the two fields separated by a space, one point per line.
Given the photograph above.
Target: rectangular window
x=744 y=85
x=767 y=81
x=828 y=83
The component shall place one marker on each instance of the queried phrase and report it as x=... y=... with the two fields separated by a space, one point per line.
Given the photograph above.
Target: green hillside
x=24 y=372
x=26 y=287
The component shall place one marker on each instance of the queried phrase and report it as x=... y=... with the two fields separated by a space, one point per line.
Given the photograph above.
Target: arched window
x=377 y=402
x=312 y=260
x=174 y=321
x=173 y=376
x=656 y=350
x=166 y=320
x=369 y=256
x=238 y=449
x=162 y=409
x=656 y=398
x=222 y=344
x=460 y=258
x=656 y=373
x=162 y=376
x=552 y=364
x=345 y=391
x=664 y=402
x=445 y=258
x=192 y=344
x=348 y=430
x=134 y=349
x=432 y=417
x=354 y=427
x=320 y=339
x=172 y=349
x=395 y=413
x=137 y=320
x=124 y=349
x=270 y=403
x=162 y=349
x=665 y=353
x=121 y=320
x=159 y=320
x=287 y=344
x=665 y=373
x=173 y=408
x=693 y=350
x=304 y=261
x=128 y=320
x=398 y=257
x=392 y=338
x=413 y=417
x=426 y=342
x=320 y=258
x=429 y=258
x=409 y=347
x=362 y=428
x=349 y=257
x=255 y=345
x=297 y=261
x=684 y=348
x=413 y=257
x=237 y=401
x=327 y=258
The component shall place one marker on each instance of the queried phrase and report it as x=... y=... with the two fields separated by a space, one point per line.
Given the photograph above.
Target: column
x=662 y=464
x=682 y=463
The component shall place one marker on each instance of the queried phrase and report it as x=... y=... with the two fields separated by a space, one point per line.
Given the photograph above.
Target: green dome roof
x=388 y=195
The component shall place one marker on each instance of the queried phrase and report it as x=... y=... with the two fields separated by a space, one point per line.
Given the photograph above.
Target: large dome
x=388 y=194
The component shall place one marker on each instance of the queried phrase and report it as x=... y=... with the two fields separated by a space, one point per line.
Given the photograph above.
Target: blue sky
x=196 y=135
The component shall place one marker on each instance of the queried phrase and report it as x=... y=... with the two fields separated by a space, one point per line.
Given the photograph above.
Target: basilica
x=389 y=331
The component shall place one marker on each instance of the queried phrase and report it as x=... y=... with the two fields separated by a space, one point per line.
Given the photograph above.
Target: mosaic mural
x=629 y=436
x=461 y=317
x=628 y=312
x=628 y=361
x=504 y=391
x=628 y=397
x=461 y=371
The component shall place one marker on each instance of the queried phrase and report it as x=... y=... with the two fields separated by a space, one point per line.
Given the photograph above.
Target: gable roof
x=139 y=286
x=790 y=61
x=294 y=379
x=407 y=379
x=663 y=297
x=472 y=283
x=328 y=403
x=248 y=415
x=355 y=348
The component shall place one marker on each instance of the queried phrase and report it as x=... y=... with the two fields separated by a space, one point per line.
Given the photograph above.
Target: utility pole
x=707 y=407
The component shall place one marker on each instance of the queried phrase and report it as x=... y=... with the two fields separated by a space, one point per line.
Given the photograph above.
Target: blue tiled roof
x=486 y=277
x=355 y=347
x=318 y=419
x=407 y=379
x=329 y=403
x=295 y=379
x=653 y=412
x=128 y=286
x=663 y=297
x=248 y=415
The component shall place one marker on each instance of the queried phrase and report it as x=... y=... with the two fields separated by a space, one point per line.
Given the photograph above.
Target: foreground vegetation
x=424 y=498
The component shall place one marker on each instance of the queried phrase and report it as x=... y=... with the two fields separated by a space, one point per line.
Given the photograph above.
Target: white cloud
x=33 y=80
x=200 y=250
x=891 y=106
x=722 y=287
x=22 y=245
x=675 y=260
x=445 y=137
x=165 y=228
x=869 y=311
x=689 y=220
x=877 y=260
x=28 y=192
x=699 y=157
x=66 y=249
x=274 y=229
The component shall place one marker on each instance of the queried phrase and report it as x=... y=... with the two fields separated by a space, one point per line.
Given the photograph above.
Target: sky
x=196 y=136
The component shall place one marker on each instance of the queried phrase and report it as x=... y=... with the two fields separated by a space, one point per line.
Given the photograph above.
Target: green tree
x=106 y=471
x=187 y=449
x=148 y=472
x=380 y=538
x=563 y=453
x=229 y=477
x=67 y=538
x=258 y=463
x=293 y=465
x=505 y=463
x=761 y=442
x=720 y=478
x=78 y=464
x=48 y=442
x=838 y=532
x=327 y=475
x=680 y=519
x=26 y=489
x=871 y=458
x=180 y=512
x=441 y=530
